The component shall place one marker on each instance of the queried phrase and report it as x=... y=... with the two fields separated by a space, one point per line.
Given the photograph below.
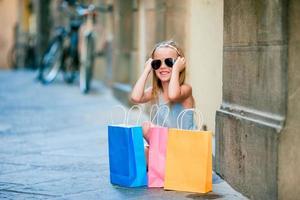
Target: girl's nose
x=163 y=65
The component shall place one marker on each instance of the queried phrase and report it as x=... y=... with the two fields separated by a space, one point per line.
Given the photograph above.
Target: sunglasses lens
x=155 y=64
x=169 y=62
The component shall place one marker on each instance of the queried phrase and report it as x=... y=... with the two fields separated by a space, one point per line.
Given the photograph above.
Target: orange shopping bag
x=189 y=159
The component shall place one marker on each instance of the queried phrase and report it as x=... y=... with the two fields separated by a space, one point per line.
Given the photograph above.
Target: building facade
x=242 y=63
x=9 y=10
x=198 y=28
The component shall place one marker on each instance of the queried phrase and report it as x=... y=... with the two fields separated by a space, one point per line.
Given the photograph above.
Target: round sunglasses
x=157 y=63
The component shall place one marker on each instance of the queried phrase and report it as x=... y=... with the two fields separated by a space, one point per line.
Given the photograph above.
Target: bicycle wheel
x=30 y=58
x=51 y=62
x=86 y=67
x=69 y=64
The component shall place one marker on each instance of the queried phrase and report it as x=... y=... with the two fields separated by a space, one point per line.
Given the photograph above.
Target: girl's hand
x=148 y=67
x=179 y=65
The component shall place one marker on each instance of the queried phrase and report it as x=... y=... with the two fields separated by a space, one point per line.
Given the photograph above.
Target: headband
x=168 y=45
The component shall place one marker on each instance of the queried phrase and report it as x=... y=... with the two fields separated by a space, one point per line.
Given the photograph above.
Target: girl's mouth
x=163 y=73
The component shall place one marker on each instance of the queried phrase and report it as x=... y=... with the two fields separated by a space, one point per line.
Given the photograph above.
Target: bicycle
x=77 y=54
x=87 y=49
x=62 y=53
x=87 y=45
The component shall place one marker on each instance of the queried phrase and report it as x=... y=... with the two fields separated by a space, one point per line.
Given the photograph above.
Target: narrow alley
x=53 y=144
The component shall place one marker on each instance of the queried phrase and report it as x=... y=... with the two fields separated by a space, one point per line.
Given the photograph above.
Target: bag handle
x=151 y=112
x=167 y=115
x=130 y=110
x=182 y=113
x=157 y=111
x=123 y=109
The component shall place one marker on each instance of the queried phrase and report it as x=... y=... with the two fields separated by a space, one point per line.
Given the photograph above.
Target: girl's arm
x=139 y=94
x=176 y=92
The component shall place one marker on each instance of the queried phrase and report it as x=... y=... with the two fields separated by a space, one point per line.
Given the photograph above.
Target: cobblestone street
x=53 y=144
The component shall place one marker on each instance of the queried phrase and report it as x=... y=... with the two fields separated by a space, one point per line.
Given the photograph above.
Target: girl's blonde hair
x=156 y=83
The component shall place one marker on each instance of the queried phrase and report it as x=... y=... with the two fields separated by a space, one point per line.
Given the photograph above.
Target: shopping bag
x=189 y=159
x=127 y=163
x=157 y=149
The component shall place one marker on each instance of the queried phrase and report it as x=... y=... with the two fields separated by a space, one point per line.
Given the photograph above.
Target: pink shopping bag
x=157 y=152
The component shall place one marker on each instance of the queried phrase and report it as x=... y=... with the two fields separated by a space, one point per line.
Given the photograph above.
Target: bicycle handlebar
x=91 y=9
x=82 y=9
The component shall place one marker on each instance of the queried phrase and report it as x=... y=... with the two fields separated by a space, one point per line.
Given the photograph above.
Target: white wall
x=205 y=51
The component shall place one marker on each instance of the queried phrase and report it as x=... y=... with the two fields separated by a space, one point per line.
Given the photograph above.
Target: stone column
x=123 y=44
x=176 y=22
x=289 y=148
x=123 y=40
x=250 y=120
x=151 y=29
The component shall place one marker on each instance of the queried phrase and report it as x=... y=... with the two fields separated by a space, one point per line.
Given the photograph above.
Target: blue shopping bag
x=127 y=161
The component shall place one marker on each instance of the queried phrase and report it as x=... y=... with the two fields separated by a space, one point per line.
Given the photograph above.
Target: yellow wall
x=205 y=51
x=8 y=18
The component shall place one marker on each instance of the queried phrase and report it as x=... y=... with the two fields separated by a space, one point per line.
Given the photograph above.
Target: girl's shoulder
x=186 y=85
x=189 y=101
x=148 y=94
x=187 y=89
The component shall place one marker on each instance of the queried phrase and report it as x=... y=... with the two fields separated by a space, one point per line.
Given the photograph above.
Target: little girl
x=168 y=65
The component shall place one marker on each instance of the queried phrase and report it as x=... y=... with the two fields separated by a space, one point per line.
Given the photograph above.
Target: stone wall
x=252 y=114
